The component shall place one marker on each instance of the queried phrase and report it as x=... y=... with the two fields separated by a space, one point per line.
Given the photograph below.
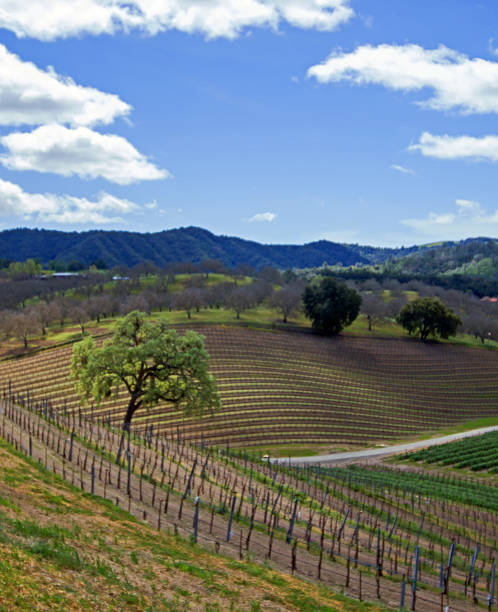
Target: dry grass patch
x=61 y=549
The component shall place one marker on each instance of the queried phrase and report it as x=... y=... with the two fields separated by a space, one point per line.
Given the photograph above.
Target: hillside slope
x=297 y=388
x=62 y=549
x=185 y=244
x=471 y=257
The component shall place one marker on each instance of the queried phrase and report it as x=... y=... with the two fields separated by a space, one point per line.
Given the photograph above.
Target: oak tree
x=153 y=363
x=331 y=305
x=429 y=317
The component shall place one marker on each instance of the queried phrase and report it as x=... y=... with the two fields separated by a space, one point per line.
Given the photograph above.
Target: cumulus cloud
x=63 y=209
x=458 y=82
x=31 y=96
x=402 y=169
x=51 y=19
x=491 y=47
x=469 y=219
x=457 y=147
x=266 y=217
x=80 y=151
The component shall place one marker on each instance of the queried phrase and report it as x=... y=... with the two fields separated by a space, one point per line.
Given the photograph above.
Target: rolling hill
x=300 y=389
x=191 y=244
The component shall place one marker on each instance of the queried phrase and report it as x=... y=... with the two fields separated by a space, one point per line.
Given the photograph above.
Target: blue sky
x=282 y=121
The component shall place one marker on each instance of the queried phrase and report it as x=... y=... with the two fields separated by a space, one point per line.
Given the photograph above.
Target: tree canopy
x=429 y=317
x=153 y=363
x=331 y=305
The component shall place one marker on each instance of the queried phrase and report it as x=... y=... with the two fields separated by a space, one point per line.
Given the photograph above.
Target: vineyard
x=476 y=454
x=297 y=388
x=401 y=538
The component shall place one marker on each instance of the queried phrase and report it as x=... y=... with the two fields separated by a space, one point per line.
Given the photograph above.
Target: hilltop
x=192 y=244
x=470 y=257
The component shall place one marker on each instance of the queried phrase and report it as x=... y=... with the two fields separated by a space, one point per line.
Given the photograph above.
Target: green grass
x=261 y=316
x=458 y=428
x=292 y=450
x=106 y=560
x=476 y=453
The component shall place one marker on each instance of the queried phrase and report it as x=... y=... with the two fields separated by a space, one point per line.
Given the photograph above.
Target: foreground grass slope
x=62 y=549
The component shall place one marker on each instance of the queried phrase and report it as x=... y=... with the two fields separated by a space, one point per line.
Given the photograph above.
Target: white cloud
x=81 y=151
x=51 y=19
x=64 y=209
x=458 y=82
x=31 y=96
x=267 y=217
x=457 y=147
x=402 y=169
x=469 y=219
x=491 y=47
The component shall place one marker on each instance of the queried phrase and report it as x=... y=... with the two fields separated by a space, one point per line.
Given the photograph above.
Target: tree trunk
x=125 y=430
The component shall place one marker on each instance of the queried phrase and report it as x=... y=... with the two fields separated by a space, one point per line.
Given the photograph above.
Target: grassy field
x=62 y=549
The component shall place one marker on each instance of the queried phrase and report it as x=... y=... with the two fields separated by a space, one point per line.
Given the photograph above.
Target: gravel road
x=383 y=451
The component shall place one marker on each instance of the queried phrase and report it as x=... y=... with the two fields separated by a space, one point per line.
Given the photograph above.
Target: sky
x=280 y=121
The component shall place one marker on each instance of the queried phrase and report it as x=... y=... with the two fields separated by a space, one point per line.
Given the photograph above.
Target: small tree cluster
x=331 y=305
x=429 y=317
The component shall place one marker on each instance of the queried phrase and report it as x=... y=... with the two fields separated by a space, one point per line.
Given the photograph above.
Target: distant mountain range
x=196 y=244
x=184 y=244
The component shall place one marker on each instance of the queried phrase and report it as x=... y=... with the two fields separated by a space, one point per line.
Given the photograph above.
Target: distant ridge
x=183 y=244
x=194 y=244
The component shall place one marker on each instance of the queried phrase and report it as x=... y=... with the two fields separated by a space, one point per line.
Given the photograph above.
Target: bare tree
x=373 y=307
x=287 y=299
x=394 y=305
x=46 y=314
x=217 y=295
x=270 y=275
x=214 y=266
x=240 y=299
x=6 y=323
x=99 y=306
x=195 y=280
x=187 y=300
x=24 y=324
x=261 y=290
x=79 y=314
x=242 y=270
x=61 y=310
x=134 y=302
x=481 y=326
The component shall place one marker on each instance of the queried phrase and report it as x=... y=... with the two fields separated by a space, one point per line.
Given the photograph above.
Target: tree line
x=30 y=306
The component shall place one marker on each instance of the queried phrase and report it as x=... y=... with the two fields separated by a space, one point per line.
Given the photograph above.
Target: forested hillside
x=471 y=257
x=189 y=244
